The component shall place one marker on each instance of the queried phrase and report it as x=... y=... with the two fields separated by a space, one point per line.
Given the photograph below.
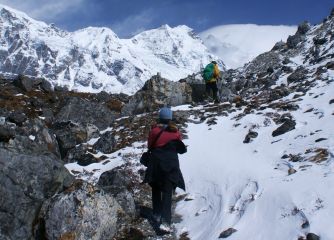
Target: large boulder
x=33 y=137
x=117 y=182
x=69 y=135
x=26 y=181
x=84 y=112
x=157 y=92
x=106 y=143
x=82 y=212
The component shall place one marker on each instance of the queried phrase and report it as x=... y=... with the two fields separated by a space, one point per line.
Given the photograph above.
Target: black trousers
x=162 y=200
x=212 y=87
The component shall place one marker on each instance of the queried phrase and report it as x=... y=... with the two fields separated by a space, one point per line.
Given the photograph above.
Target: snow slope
x=237 y=44
x=247 y=186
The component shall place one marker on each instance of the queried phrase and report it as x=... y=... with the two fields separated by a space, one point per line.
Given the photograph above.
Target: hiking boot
x=165 y=227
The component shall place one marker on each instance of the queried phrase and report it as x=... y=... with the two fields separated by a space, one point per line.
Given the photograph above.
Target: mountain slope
x=237 y=44
x=95 y=59
x=262 y=166
x=266 y=170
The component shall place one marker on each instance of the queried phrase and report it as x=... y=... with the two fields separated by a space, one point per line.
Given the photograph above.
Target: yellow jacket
x=216 y=74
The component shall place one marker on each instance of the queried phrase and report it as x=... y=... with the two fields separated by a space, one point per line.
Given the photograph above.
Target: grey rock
x=106 y=143
x=294 y=40
x=250 y=135
x=90 y=213
x=264 y=61
x=227 y=233
x=319 y=41
x=84 y=112
x=303 y=28
x=32 y=138
x=158 y=92
x=24 y=82
x=81 y=155
x=26 y=181
x=6 y=134
x=116 y=182
x=69 y=135
x=17 y=117
x=287 y=126
x=298 y=75
x=279 y=46
x=312 y=236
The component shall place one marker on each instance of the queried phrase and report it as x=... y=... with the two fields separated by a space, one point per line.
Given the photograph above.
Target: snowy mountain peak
x=96 y=59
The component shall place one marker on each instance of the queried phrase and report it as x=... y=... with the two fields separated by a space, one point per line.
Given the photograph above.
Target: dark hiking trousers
x=162 y=200
x=212 y=87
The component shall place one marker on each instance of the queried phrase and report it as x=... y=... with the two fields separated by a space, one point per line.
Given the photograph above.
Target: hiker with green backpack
x=211 y=74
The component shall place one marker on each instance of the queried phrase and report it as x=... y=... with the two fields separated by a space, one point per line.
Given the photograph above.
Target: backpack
x=208 y=72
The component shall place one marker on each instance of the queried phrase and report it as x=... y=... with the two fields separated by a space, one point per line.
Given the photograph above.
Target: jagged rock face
x=26 y=181
x=81 y=212
x=95 y=59
x=82 y=111
x=156 y=93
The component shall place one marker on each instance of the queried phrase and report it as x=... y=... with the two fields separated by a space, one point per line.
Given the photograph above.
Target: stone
x=82 y=111
x=68 y=135
x=26 y=181
x=6 y=134
x=17 y=117
x=293 y=41
x=303 y=28
x=312 y=236
x=291 y=171
x=319 y=41
x=90 y=213
x=158 y=92
x=279 y=46
x=298 y=75
x=330 y=65
x=227 y=233
x=106 y=143
x=331 y=101
x=117 y=182
x=81 y=155
x=287 y=126
x=250 y=136
x=24 y=82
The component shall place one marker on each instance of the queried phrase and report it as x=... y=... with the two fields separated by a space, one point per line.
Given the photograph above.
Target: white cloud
x=134 y=24
x=44 y=9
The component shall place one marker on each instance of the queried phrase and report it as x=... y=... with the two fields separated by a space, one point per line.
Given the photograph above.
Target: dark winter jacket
x=165 y=165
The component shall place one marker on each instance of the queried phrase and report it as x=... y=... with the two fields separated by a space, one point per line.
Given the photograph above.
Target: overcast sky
x=128 y=17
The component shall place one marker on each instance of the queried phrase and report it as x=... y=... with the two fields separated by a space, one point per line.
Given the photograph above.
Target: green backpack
x=208 y=72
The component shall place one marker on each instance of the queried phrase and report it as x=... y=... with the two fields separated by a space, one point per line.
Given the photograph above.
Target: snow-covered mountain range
x=237 y=44
x=95 y=59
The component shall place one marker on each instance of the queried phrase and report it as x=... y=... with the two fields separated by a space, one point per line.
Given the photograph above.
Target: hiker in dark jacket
x=163 y=173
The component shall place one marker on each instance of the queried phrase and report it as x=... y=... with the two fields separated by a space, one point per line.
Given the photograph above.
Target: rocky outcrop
x=84 y=112
x=158 y=92
x=26 y=181
x=90 y=213
x=117 y=182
